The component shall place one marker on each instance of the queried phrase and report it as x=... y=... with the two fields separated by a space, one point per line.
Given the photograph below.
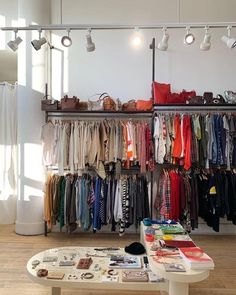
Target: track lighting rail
x=119 y=27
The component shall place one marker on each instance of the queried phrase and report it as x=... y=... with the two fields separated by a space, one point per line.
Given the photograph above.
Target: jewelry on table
x=97 y=267
x=34 y=263
x=72 y=277
x=112 y=272
x=87 y=276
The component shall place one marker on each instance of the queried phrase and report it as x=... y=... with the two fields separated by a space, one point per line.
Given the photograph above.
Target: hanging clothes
x=80 y=144
x=203 y=141
x=86 y=201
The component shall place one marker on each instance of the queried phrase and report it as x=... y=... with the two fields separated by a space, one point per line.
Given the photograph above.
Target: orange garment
x=48 y=201
x=187 y=134
x=177 y=145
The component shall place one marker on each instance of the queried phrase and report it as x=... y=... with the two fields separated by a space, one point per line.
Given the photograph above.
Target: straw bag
x=108 y=103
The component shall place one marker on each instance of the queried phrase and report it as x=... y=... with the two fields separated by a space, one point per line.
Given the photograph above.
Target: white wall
x=31 y=81
x=117 y=68
x=124 y=72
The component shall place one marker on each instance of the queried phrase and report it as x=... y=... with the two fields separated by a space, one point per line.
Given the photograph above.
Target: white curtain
x=8 y=153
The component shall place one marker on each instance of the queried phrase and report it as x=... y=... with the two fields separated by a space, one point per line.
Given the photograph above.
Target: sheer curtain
x=8 y=153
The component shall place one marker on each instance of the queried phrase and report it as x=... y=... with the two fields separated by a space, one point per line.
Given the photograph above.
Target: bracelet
x=112 y=272
x=86 y=275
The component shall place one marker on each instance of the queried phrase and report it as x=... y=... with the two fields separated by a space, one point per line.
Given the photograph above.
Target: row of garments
x=75 y=145
x=91 y=202
x=186 y=196
x=190 y=140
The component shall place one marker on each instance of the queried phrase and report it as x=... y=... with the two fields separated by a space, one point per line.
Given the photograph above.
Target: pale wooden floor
x=15 y=250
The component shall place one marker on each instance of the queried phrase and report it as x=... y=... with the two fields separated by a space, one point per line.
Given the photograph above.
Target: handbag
x=49 y=105
x=134 y=276
x=129 y=106
x=210 y=100
x=108 y=103
x=230 y=97
x=196 y=100
x=96 y=105
x=82 y=106
x=180 y=98
x=69 y=103
x=160 y=92
x=144 y=105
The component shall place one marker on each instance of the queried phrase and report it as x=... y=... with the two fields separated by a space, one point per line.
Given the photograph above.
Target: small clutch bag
x=134 y=276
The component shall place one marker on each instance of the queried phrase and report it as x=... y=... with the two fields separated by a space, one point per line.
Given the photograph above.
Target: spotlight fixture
x=189 y=37
x=13 y=44
x=206 y=43
x=66 y=40
x=163 y=44
x=37 y=44
x=90 y=44
x=230 y=42
x=136 y=39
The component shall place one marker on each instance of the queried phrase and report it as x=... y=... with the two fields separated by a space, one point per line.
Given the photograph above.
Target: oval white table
x=78 y=283
x=178 y=281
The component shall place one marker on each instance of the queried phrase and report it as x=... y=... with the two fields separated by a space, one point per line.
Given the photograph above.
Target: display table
x=73 y=277
x=97 y=276
x=178 y=281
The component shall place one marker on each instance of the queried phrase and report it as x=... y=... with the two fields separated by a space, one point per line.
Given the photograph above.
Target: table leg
x=55 y=291
x=177 y=288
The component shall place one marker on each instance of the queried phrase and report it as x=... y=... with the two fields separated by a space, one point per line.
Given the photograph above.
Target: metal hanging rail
x=195 y=108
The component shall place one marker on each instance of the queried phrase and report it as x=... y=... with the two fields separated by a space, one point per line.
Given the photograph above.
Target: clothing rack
x=76 y=114
x=203 y=108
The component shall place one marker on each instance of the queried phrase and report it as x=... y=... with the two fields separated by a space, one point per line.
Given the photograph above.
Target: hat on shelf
x=135 y=248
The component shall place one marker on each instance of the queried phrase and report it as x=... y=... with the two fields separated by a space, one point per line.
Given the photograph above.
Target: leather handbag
x=82 y=106
x=129 y=106
x=144 y=105
x=210 y=100
x=160 y=92
x=69 y=103
x=49 y=105
x=196 y=100
x=180 y=98
x=96 y=105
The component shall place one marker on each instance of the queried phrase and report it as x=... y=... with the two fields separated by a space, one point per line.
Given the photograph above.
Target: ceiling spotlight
x=163 y=44
x=206 y=43
x=66 y=40
x=13 y=44
x=230 y=42
x=90 y=45
x=136 y=39
x=189 y=37
x=38 y=43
